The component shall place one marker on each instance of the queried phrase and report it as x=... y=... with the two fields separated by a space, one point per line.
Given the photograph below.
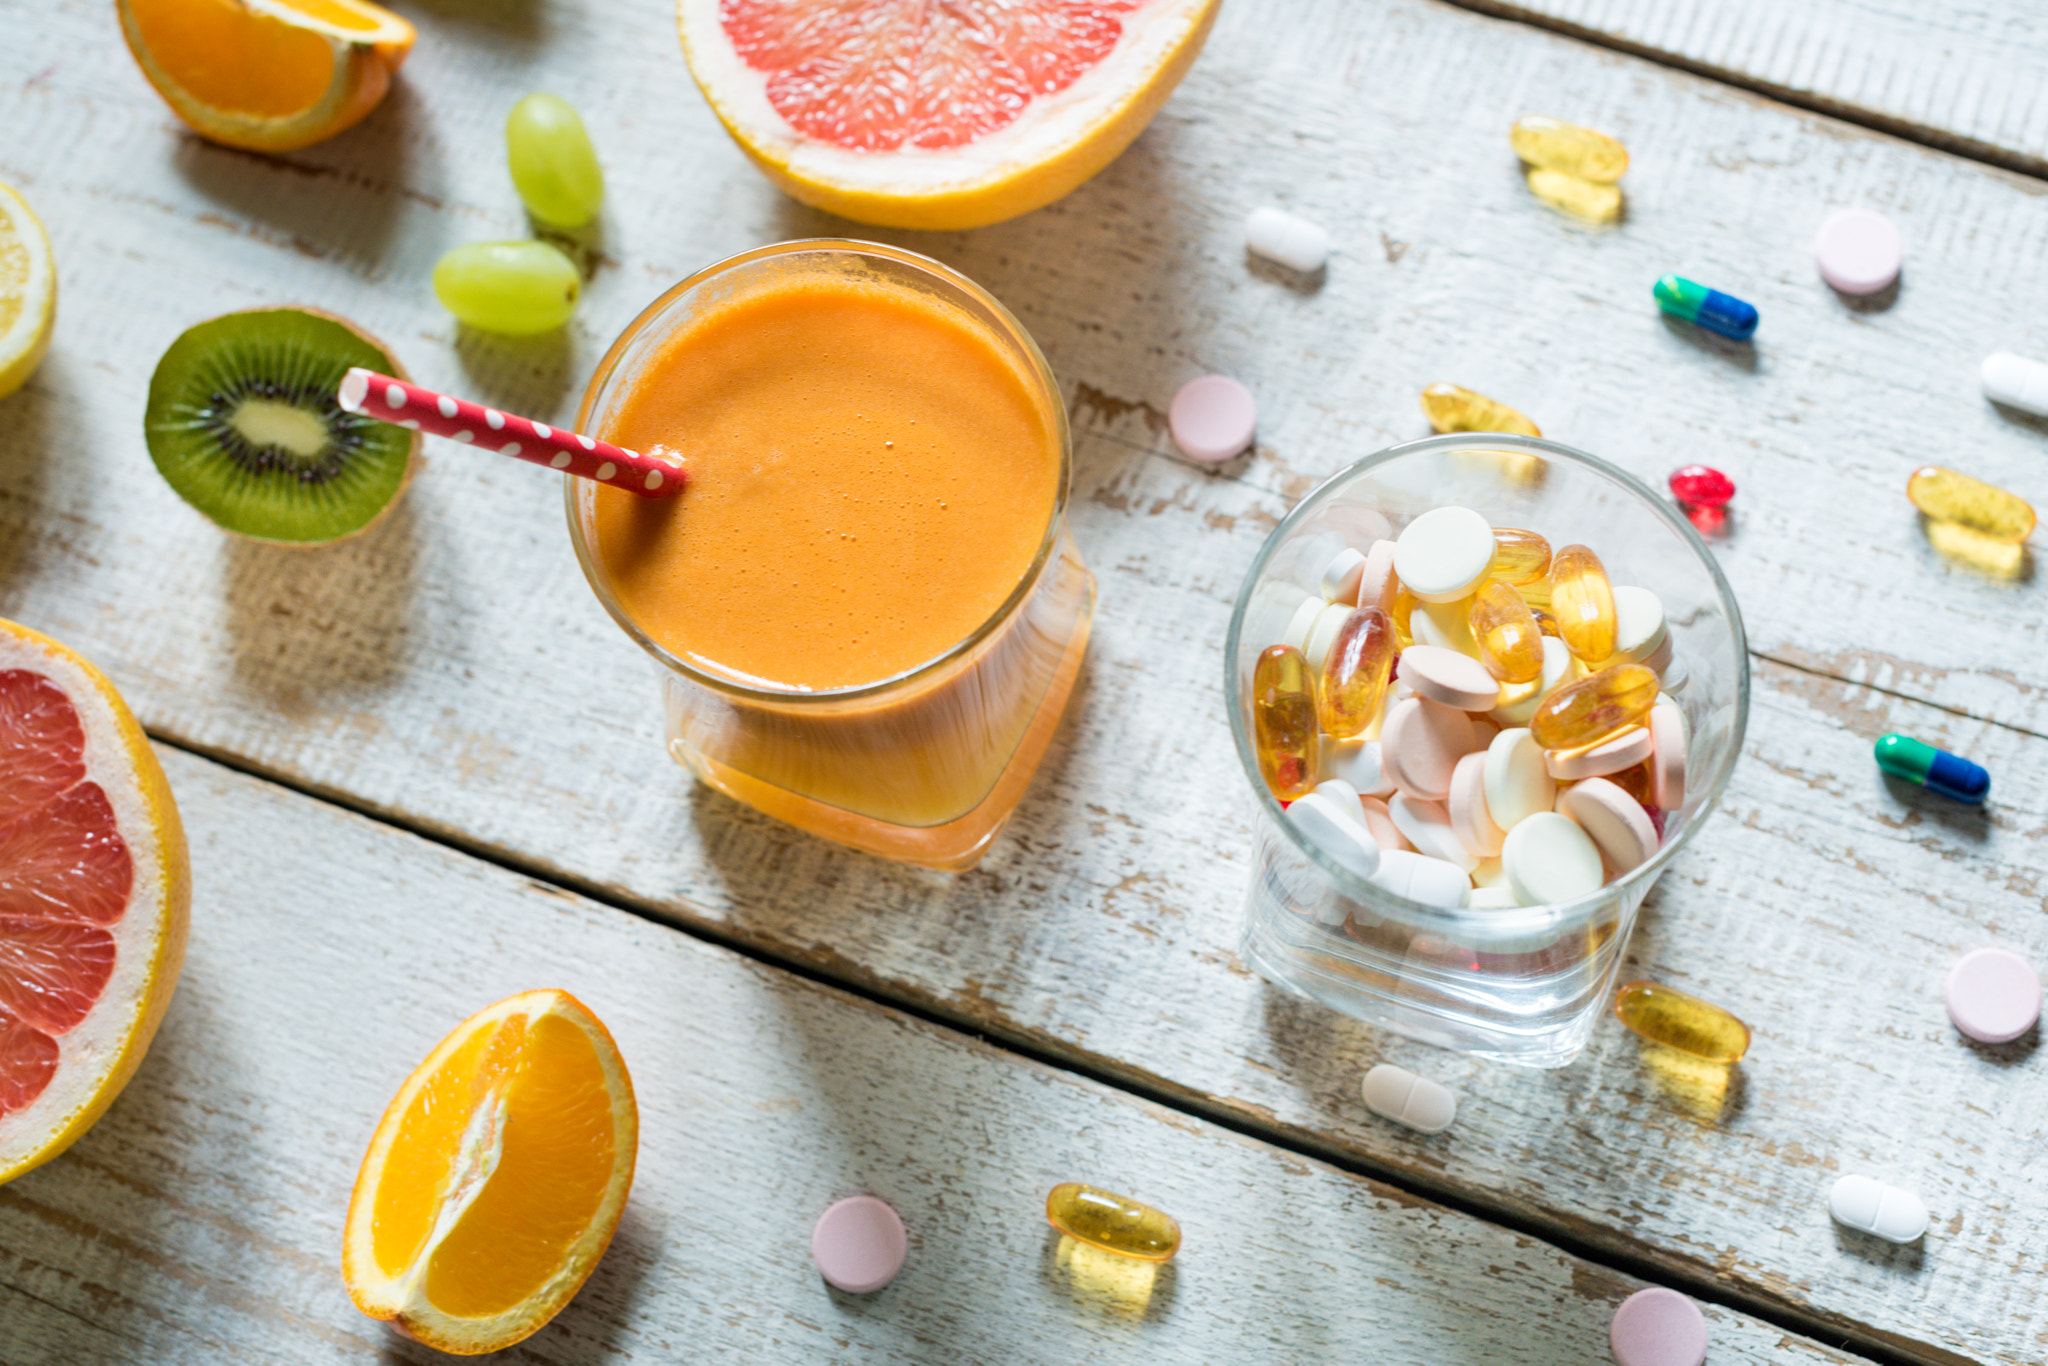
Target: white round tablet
x=1336 y=832
x=1518 y=783
x=1549 y=858
x=1443 y=554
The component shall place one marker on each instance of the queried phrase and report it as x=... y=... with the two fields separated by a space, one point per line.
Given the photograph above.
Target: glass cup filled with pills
x=1484 y=688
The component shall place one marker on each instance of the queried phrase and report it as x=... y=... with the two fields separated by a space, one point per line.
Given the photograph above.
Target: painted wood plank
x=450 y=671
x=200 y=1220
x=1971 y=76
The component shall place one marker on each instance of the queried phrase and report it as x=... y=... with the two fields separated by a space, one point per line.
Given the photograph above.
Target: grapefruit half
x=95 y=889
x=915 y=114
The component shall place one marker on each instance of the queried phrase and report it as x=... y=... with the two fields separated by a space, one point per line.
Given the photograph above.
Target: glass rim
x=573 y=490
x=1512 y=920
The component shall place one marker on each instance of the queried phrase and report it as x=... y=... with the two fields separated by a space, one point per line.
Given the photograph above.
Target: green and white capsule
x=1937 y=770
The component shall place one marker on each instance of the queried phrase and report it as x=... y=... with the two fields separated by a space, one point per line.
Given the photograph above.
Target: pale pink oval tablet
x=1625 y=750
x=1377 y=583
x=1471 y=822
x=1667 y=756
x=1994 y=995
x=1212 y=418
x=1620 y=828
x=859 y=1245
x=1858 y=251
x=1658 y=1327
x=1420 y=745
x=1380 y=821
x=1448 y=677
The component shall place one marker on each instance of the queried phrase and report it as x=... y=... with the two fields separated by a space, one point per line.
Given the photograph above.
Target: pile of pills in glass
x=1708 y=308
x=1870 y=1206
x=1984 y=508
x=1658 y=1327
x=1114 y=1223
x=1212 y=419
x=1921 y=764
x=1570 y=168
x=1858 y=251
x=1462 y=717
x=1396 y=1093
x=1686 y=1023
x=2016 y=382
x=859 y=1245
x=1452 y=409
x=1287 y=240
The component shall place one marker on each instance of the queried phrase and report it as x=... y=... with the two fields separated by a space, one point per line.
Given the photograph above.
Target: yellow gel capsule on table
x=1585 y=200
x=1582 y=600
x=1284 y=722
x=1355 y=673
x=1679 y=1021
x=1510 y=644
x=1569 y=148
x=1519 y=557
x=1112 y=1222
x=1451 y=409
x=1597 y=706
x=1984 y=508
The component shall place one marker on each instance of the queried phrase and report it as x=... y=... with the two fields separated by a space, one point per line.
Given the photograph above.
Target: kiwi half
x=243 y=423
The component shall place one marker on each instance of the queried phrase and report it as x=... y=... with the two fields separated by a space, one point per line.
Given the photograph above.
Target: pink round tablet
x=1625 y=750
x=1658 y=1327
x=859 y=1245
x=1667 y=756
x=1212 y=418
x=1376 y=582
x=1445 y=676
x=1994 y=996
x=1619 y=826
x=1858 y=251
x=1421 y=743
x=1471 y=821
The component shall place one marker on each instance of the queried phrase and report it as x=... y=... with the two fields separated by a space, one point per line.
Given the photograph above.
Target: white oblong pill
x=1421 y=878
x=1357 y=762
x=1347 y=841
x=1549 y=858
x=1446 y=676
x=1870 y=1206
x=1518 y=783
x=1344 y=795
x=2016 y=382
x=1323 y=634
x=1340 y=576
x=1428 y=827
x=1287 y=239
x=1396 y=1093
x=1638 y=625
x=1302 y=622
x=1443 y=554
x=1491 y=899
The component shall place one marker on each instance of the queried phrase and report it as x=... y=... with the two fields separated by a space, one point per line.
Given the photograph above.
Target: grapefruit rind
x=363 y=60
x=97 y=1057
x=1050 y=150
x=27 y=338
x=401 y=1299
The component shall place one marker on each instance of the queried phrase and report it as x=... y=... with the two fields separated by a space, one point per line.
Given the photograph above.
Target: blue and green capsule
x=1708 y=308
x=1937 y=770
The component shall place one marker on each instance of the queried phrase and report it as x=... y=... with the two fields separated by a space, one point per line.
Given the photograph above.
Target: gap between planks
x=1698 y=1281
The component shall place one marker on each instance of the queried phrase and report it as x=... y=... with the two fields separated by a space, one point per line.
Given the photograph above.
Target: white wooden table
x=412 y=786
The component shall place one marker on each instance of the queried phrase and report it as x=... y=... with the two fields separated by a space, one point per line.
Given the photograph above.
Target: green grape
x=553 y=164
x=515 y=287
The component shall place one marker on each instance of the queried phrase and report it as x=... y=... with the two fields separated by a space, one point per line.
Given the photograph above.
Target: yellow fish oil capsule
x=1519 y=557
x=1355 y=673
x=1582 y=600
x=1113 y=1223
x=1567 y=147
x=1451 y=409
x=1545 y=622
x=1596 y=707
x=1585 y=200
x=1984 y=508
x=1679 y=1021
x=1510 y=643
x=1284 y=722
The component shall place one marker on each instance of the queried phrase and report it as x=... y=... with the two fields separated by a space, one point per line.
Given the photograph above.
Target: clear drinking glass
x=1524 y=985
x=926 y=765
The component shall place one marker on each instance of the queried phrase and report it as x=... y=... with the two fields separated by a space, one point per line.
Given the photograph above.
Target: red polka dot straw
x=408 y=405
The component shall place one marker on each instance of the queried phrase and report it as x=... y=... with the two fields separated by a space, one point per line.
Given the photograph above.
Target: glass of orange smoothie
x=865 y=602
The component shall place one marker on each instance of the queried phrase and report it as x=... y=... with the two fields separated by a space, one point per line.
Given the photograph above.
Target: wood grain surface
x=1969 y=76
x=200 y=1221
x=450 y=673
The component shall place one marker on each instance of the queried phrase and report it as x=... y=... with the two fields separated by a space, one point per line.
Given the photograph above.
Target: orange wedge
x=95 y=891
x=267 y=74
x=496 y=1177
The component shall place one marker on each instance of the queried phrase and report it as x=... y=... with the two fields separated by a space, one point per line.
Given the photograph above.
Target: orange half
x=495 y=1179
x=270 y=75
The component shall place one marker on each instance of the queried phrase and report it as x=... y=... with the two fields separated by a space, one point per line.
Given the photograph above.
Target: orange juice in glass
x=866 y=604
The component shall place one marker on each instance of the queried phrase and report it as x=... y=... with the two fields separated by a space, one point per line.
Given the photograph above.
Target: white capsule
x=1418 y=877
x=1346 y=798
x=1870 y=1206
x=2016 y=382
x=1400 y=1095
x=1343 y=837
x=1281 y=237
x=1490 y=898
